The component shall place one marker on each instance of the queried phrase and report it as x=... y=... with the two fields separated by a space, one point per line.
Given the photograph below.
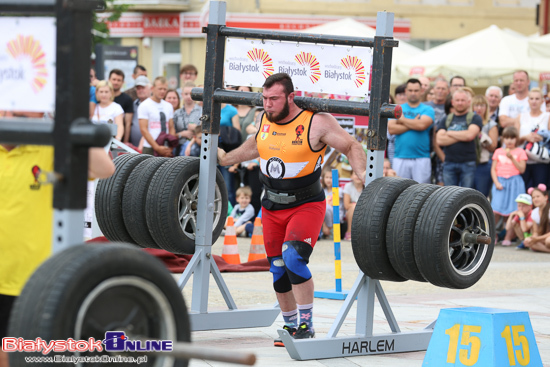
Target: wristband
x=521 y=218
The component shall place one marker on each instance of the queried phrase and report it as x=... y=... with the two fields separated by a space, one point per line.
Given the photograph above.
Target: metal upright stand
x=202 y=264
x=365 y=289
x=72 y=134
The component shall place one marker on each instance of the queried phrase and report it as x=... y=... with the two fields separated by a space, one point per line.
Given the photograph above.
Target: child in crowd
x=519 y=222
x=243 y=212
x=508 y=165
x=194 y=147
x=352 y=191
x=388 y=171
x=540 y=240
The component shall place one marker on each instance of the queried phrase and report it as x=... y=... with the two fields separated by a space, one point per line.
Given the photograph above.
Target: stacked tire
x=403 y=230
x=153 y=202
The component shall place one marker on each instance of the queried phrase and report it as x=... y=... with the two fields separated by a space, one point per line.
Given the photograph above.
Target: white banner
x=313 y=68
x=27 y=64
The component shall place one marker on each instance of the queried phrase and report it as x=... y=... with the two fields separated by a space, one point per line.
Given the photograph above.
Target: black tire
x=86 y=290
x=133 y=201
x=400 y=230
x=443 y=258
x=368 y=232
x=172 y=204
x=108 y=198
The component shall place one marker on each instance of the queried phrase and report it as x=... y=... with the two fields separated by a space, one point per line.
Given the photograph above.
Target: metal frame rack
x=364 y=289
x=72 y=133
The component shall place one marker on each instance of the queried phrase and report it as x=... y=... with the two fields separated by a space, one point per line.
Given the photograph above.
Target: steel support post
x=202 y=264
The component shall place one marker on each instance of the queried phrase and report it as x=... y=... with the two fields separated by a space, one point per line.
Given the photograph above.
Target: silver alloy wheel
x=466 y=257
x=149 y=308
x=189 y=204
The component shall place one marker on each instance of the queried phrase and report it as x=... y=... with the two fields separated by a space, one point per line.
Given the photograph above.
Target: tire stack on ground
x=153 y=202
x=403 y=230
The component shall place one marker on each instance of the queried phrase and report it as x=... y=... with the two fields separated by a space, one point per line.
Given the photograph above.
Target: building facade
x=168 y=32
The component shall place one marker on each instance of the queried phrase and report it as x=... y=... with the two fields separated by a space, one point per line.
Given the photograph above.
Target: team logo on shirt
x=299 y=132
x=275 y=168
x=265 y=131
x=36 y=171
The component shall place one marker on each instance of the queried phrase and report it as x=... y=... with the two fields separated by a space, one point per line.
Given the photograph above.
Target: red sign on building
x=159 y=24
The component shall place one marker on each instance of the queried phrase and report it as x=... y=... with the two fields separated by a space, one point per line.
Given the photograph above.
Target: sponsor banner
x=313 y=68
x=27 y=64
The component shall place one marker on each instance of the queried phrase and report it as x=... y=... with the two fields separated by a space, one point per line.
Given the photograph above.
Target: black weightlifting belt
x=291 y=196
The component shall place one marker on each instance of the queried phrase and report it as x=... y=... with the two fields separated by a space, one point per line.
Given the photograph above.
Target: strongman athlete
x=291 y=144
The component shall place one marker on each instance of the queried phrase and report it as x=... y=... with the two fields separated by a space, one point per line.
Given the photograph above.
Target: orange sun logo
x=354 y=63
x=310 y=60
x=259 y=55
x=23 y=46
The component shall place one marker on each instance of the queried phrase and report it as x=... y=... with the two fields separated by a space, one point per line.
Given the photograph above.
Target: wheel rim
x=188 y=206
x=467 y=258
x=130 y=304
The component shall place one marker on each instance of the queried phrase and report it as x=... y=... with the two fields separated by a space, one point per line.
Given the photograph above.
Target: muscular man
x=412 y=144
x=291 y=144
x=515 y=104
x=153 y=113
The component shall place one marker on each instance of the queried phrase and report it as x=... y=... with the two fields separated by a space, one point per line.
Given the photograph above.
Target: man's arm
x=325 y=129
x=443 y=139
x=144 y=128
x=506 y=121
x=245 y=152
x=437 y=149
x=395 y=128
x=171 y=128
x=100 y=164
x=465 y=135
x=127 y=126
x=420 y=123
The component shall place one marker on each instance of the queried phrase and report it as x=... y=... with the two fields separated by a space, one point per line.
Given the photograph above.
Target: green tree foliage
x=101 y=30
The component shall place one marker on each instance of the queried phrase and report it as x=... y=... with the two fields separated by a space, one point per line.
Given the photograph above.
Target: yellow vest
x=26 y=213
x=285 y=152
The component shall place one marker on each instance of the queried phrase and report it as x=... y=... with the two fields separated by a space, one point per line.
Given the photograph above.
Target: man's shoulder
x=125 y=96
x=146 y=103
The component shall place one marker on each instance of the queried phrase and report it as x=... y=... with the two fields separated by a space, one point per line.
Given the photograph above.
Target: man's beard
x=281 y=115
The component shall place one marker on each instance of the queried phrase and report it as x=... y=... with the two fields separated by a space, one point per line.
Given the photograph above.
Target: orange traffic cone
x=257 y=248
x=230 y=251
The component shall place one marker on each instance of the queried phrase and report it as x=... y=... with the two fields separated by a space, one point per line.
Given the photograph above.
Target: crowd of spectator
x=447 y=134
x=495 y=144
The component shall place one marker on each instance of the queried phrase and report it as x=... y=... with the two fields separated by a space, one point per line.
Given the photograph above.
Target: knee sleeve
x=296 y=256
x=281 y=282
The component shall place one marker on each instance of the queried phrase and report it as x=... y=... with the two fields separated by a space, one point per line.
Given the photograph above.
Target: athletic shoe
x=506 y=243
x=279 y=342
x=521 y=246
x=304 y=332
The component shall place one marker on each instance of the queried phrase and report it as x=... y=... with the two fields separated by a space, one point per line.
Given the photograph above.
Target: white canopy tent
x=540 y=47
x=487 y=57
x=352 y=28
